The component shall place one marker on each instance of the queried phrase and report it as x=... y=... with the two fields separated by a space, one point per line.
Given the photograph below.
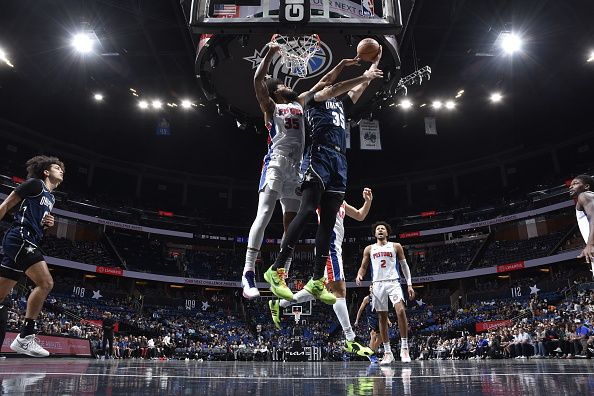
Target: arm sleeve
x=30 y=188
x=406 y=272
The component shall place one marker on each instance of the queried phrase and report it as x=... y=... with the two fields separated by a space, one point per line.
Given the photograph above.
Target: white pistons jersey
x=286 y=131
x=583 y=224
x=384 y=262
x=334 y=266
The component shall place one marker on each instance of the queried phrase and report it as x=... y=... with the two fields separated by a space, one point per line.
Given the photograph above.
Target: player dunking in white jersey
x=581 y=190
x=386 y=259
x=280 y=177
x=334 y=273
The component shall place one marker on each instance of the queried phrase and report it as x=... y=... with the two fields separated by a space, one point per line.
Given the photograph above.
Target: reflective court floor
x=55 y=376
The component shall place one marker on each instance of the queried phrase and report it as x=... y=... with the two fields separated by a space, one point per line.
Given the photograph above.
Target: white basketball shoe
x=248 y=282
x=28 y=346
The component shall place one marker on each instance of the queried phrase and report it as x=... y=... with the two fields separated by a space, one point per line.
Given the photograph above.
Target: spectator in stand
x=540 y=342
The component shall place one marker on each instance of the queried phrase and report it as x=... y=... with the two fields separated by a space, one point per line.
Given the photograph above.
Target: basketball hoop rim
x=314 y=35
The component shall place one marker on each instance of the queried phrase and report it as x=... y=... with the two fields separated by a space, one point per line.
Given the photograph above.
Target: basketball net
x=296 y=51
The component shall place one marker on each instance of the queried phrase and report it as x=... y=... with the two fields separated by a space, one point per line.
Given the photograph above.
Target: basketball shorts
x=19 y=255
x=334 y=270
x=325 y=165
x=281 y=174
x=373 y=322
x=384 y=291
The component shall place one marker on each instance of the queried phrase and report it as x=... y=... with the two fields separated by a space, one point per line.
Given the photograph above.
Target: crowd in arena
x=556 y=324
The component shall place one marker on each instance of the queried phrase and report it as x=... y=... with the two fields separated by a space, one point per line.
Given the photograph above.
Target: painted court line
x=292 y=378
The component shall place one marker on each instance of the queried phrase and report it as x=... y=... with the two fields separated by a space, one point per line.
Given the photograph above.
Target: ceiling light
x=4 y=58
x=186 y=104
x=98 y=97
x=496 y=97
x=437 y=104
x=83 y=43
x=156 y=104
x=135 y=94
x=450 y=104
x=143 y=104
x=460 y=92
x=132 y=90
x=423 y=105
x=510 y=42
x=591 y=57
x=406 y=104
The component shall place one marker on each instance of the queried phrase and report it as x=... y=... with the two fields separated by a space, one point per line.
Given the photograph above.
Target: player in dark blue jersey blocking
x=325 y=173
x=21 y=243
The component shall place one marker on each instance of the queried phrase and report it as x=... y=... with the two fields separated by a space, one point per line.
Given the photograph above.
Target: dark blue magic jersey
x=327 y=121
x=36 y=202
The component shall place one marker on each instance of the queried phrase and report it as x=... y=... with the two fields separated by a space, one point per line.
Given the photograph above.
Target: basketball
x=367 y=49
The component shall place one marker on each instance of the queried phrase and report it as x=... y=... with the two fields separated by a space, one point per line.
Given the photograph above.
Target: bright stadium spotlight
x=450 y=104
x=4 y=58
x=591 y=57
x=83 y=43
x=406 y=104
x=98 y=97
x=156 y=104
x=459 y=94
x=437 y=104
x=186 y=104
x=496 y=97
x=143 y=104
x=510 y=42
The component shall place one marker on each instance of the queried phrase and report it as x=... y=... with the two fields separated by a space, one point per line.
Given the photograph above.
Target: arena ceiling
x=147 y=46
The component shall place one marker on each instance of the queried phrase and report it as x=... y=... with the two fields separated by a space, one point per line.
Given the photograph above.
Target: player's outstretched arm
x=345 y=86
x=361 y=309
x=405 y=270
x=364 y=264
x=10 y=202
x=356 y=92
x=264 y=100
x=361 y=213
x=586 y=201
x=329 y=78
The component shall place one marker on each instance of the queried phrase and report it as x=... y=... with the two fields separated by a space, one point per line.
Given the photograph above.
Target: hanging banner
x=370 y=135
x=430 y=126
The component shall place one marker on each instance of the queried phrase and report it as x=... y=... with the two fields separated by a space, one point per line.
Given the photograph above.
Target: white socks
x=342 y=313
x=404 y=343
x=387 y=347
x=251 y=255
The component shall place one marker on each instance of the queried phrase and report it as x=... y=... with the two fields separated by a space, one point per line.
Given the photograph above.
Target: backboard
x=231 y=38
x=304 y=308
x=295 y=16
x=225 y=67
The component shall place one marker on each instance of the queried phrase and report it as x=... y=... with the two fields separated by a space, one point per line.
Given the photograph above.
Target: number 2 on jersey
x=383 y=264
